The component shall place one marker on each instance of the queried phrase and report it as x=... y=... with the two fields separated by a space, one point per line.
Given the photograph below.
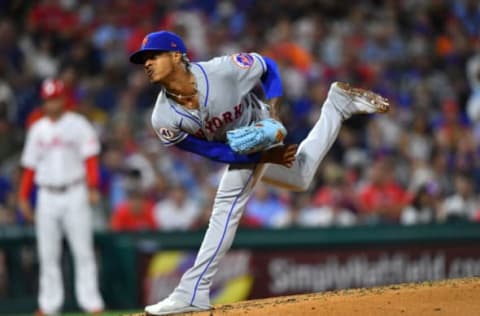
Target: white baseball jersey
x=56 y=150
x=226 y=102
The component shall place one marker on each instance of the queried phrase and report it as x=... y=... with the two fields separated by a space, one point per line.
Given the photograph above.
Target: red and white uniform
x=60 y=157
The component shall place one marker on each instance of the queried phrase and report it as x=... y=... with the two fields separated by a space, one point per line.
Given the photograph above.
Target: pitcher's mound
x=448 y=297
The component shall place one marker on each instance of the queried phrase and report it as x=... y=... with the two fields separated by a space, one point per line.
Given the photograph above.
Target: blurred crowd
x=417 y=164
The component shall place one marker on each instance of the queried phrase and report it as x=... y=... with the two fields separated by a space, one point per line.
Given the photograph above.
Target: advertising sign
x=247 y=274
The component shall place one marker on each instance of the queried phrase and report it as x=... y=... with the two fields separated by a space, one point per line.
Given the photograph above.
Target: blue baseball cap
x=163 y=41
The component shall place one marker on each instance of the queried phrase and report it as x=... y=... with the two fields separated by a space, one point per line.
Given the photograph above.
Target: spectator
x=382 y=198
x=7 y=214
x=178 y=211
x=11 y=54
x=136 y=212
x=463 y=204
x=451 y=126
x=306 y=214
x=468 y=12
x=41 y=60
x=334 y=200
x=266 y=209
x=50 y=16
x=473 y=104
x=423 y=208
x=8 y=141
x=416 y=142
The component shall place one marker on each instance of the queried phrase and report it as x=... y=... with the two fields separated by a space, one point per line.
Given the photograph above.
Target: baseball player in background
x=60 y=157
x=201 y=107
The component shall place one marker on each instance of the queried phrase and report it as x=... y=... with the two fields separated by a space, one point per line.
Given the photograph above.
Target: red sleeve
x=91 y=167
x=26 y=184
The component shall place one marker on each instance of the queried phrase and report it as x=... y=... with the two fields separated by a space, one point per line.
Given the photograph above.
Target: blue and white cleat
x=349 y=100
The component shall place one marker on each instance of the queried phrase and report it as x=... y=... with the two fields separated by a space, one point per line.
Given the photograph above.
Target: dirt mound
x=448 y=297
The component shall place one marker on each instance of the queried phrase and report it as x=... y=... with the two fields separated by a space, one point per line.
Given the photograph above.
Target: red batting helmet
x=52 y=88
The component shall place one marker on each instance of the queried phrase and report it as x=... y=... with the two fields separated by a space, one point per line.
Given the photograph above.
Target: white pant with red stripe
x=66 y=213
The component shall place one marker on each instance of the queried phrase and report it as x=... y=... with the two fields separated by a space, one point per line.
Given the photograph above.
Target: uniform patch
x=243 y=60
x=167 y=134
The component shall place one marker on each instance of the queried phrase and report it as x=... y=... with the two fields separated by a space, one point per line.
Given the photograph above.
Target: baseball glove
x=256 y=137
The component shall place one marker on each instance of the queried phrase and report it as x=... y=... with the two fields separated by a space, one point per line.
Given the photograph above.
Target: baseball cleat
x=349 y=100
x=169 y=306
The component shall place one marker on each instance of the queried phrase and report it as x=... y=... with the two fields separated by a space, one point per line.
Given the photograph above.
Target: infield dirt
x=449 y=297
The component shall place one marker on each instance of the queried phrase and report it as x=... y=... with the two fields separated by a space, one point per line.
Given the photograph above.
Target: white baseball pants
x=234 y=190
x=68 y=213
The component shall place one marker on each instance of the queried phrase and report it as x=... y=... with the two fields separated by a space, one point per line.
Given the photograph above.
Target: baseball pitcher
x=60 y=156
x=208 y=108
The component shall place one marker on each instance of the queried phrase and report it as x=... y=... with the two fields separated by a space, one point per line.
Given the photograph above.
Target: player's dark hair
x=186 y=61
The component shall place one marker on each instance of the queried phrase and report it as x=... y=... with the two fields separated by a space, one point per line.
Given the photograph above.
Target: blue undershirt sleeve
x=216 y=151
x=271 y=80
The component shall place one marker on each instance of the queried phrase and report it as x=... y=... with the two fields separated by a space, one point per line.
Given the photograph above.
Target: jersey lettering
x=218 y=122
x=55 y=142
x=200 y=134
x=238 y=111
x=208 y=125
x=227 y=117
